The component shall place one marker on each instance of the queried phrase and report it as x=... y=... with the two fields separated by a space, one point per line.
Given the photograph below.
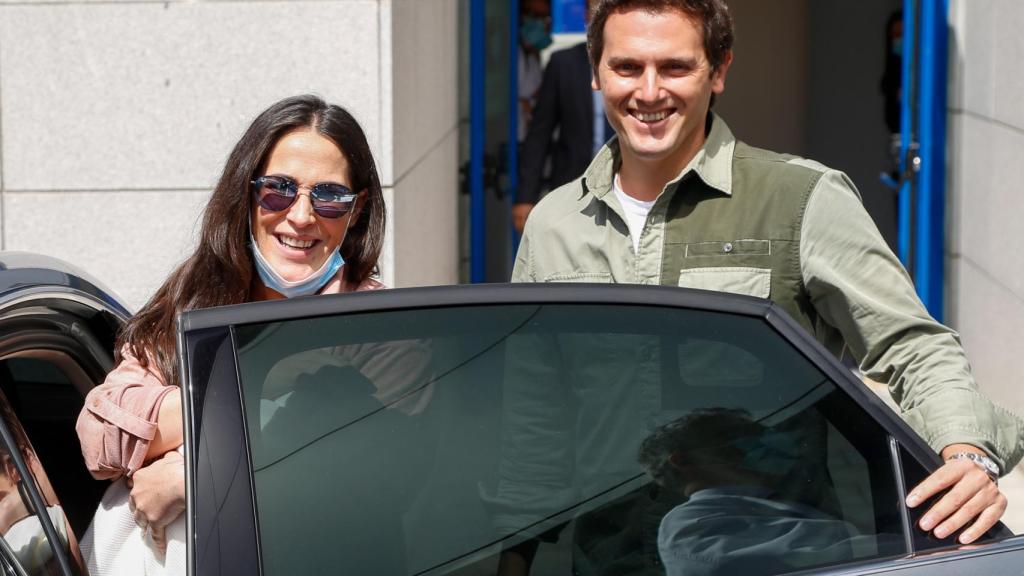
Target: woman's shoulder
x=339 y=284
x=368 y=284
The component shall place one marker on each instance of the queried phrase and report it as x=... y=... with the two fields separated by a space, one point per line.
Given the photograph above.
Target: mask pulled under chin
x=292 y=288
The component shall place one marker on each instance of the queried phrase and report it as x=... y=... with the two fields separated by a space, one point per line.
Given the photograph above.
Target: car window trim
x=10 y=559
x=470 y=295
x=37 y=500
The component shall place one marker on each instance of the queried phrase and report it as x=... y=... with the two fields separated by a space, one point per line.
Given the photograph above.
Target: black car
x=553 y=429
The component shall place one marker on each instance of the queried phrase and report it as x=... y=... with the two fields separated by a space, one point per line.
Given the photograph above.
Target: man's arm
x=858 y=286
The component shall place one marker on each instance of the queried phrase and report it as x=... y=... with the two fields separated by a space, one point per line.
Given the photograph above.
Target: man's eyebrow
x=685 y=62
x=688 y=62
x=615 y=61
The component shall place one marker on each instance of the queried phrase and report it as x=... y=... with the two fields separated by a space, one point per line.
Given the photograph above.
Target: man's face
x=657 y=84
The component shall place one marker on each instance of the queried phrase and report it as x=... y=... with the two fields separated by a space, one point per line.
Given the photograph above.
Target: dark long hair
x=220 y=271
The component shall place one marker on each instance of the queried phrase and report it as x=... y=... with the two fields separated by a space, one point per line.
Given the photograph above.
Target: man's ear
x=719 y=73
x=595 y=82
x=676 y=460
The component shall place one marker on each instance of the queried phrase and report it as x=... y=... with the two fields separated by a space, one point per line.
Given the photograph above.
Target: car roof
x=27 y=272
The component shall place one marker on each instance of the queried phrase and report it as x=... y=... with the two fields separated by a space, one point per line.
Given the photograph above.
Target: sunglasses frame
x=293 y=187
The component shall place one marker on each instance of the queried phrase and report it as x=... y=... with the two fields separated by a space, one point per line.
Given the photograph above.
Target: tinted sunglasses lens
x=275 y=202
x=273 y=194
x=332 y=201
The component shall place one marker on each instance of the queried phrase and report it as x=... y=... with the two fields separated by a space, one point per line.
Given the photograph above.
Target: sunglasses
x=277 y=193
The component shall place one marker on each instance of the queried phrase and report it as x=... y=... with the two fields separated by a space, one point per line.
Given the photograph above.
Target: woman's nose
x=301 y=212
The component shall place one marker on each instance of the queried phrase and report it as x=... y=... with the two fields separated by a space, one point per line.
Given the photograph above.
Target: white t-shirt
x=636 y=212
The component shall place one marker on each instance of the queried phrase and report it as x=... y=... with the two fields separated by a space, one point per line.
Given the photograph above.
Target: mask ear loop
x=348 y=226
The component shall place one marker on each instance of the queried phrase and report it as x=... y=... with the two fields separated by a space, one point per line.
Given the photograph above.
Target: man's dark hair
x=713 y=16
x=704 y=436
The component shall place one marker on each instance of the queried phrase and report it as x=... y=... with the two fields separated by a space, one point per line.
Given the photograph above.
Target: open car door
x=57 y=331
x=560 y=429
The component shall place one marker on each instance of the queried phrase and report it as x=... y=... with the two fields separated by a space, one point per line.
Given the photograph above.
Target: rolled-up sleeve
x=119 y=419
x=859 y=287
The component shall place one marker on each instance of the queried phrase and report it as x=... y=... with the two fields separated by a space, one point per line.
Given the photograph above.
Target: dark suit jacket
x=565 y=102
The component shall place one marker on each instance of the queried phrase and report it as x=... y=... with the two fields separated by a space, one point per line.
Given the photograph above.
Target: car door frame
x=208 y=364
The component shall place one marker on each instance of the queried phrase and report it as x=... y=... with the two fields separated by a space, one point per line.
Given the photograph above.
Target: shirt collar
x=712 y=163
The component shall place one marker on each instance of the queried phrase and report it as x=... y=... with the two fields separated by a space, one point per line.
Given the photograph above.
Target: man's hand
x=520 y=210
x=158 y=495
x=972 y=497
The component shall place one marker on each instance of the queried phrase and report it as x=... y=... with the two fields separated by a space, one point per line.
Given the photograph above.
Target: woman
x=298 y=210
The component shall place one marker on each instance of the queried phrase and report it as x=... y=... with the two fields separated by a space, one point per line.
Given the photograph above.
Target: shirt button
x=727 y=247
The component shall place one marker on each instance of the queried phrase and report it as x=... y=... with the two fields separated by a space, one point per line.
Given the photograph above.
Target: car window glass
x=21 y=523
x=588 y=439
x=47 y=401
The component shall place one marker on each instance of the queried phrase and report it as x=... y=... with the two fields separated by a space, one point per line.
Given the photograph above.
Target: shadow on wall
x=806 y=80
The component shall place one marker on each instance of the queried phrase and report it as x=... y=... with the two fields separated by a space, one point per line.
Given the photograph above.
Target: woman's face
x=297 y=241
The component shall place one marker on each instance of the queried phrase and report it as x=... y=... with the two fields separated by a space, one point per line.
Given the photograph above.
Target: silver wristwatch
x=982 y=461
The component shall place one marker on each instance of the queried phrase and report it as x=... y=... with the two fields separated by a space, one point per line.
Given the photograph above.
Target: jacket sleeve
x=539 y=134
x=118 y=420
x=858 y=286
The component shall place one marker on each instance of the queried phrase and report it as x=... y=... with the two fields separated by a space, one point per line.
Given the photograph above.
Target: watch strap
x=981 y=461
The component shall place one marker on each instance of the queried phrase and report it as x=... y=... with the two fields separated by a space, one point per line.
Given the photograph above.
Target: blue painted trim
x=477 y=134
x=513 y=111
x=906 y=129
x=930 y=235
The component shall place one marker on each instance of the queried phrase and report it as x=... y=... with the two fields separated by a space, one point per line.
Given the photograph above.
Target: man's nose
x=649 y=85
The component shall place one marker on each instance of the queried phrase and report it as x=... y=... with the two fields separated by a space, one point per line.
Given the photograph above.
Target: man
x=733 y=518
x=675 y=199
x=568 y=108
x=566 y=104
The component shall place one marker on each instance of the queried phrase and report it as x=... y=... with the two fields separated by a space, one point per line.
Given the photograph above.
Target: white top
x=636 y=212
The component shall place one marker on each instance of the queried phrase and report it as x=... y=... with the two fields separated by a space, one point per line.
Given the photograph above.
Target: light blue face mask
x=289 y=288
x=534 y=33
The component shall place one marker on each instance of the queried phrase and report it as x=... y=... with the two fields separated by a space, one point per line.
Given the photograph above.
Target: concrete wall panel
x=973 y=56
x=129 y=241
x=989 y=201
x=137 y=96
x=1008 y=85
x=424 y=78
x=426 y=219
x=989 y=321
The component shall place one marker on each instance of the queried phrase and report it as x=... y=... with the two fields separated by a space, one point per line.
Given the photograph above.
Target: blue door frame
x=477 y=128
x=922 y=201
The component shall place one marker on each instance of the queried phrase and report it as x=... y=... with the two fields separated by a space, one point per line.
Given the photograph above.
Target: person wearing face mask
x=298 y=210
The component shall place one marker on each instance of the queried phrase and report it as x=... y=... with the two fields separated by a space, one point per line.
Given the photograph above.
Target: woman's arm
x=123 y=416
x=169 y=434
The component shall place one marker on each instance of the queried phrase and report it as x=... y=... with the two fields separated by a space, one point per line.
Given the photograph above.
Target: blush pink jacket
x=118 y=420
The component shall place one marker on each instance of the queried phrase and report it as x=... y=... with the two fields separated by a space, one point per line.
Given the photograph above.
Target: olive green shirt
x=860 y=300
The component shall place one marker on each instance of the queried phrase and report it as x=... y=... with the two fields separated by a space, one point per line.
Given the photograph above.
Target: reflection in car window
x=569 y=439
x=21 y=526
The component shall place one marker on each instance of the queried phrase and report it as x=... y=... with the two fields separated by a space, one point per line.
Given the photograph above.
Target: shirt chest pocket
x=735 y=266
x=734 y=279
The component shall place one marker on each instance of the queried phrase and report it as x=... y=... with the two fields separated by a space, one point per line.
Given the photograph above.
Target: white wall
x=985 y=248
x=116 y=118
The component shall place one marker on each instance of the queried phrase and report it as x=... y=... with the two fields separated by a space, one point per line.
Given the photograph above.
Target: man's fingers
x=983 y=498
x=970 y=484
x=946 y=476
x=986 y=520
